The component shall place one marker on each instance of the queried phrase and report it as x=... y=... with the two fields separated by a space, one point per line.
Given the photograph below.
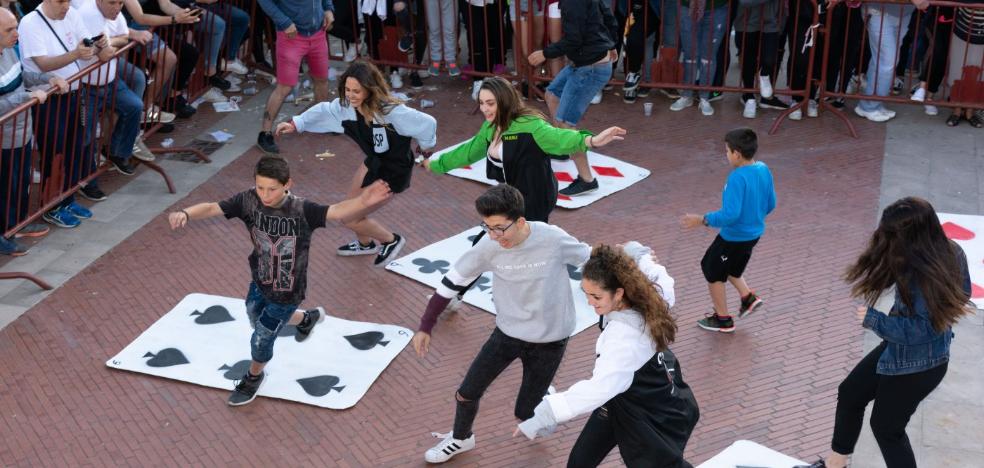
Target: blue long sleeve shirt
x=748 y=198
x=306 y=15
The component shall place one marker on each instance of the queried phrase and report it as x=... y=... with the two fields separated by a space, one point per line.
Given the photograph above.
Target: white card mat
x=745 y=453
x=968 y=232
x=429 y=264
x=612 y=174
x=205 y=340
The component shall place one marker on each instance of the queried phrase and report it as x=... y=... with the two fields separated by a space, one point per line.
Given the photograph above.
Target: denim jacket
x=912 y=344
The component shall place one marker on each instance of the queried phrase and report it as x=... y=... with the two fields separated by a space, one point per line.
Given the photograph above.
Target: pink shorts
x=291 y=51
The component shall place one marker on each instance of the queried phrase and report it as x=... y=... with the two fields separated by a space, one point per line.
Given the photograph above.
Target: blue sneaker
x=9 y=247
x=62 y=218
x=78 y=211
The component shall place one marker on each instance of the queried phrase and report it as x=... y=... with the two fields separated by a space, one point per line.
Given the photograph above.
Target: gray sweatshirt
x=531 y=287
x=17 y=131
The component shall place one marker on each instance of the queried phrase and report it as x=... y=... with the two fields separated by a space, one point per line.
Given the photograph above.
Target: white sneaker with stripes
x=448 y=447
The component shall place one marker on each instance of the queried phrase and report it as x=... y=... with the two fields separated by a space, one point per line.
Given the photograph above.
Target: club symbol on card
x=166 y=357
x=237 y=371
x=471 y=238
x=572 y=273
x=366 y=341
x=213 y=315
x=321 y=385
x=483 y=283
x=427 y=266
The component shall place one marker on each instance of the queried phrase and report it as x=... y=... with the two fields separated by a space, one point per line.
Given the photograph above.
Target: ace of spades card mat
x=968 y=232
x=612 y=174
x=429 y=264
x=205 y=340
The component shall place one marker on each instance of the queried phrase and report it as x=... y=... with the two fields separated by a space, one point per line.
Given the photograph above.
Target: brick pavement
x=774 y=381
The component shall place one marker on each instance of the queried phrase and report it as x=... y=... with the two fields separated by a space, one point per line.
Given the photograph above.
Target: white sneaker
x=931 y=110
x=855 y=85
x=142 y=152
x=796 y=114
x=395 y=81
x=878 y=115
x=237 y=67
x=750 y=106
x=155 y=114
x=596 y=99
x=919 y=95
x=706 y=108
x=214 y=95
x=351 y=52
x=765 y=87
x=812 y=108
x=476 y=87
x=448 y=447
x=682 y=103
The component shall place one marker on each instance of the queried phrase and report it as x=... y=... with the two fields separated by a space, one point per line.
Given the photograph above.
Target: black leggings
x=896 y=398
x=758 y=52
x=600 y=436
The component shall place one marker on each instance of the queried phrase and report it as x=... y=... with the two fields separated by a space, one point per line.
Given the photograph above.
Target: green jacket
x=527 y=147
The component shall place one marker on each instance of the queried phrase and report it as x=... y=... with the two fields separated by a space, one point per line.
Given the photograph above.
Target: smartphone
x=96 y=39
x=197 y=12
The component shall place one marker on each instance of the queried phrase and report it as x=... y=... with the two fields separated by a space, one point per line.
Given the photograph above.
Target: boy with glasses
x=535 y=312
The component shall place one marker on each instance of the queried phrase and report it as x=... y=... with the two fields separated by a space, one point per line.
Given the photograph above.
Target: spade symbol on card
x=572 y=273
x=321 y=385
x=366 y=341
x=483 y=283
x=287 y=330
x=213 y=315
x=237 y=371
x=427 y=266
x=166 y=357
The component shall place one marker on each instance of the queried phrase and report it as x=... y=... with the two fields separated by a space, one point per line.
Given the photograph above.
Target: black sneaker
x=671 y=93
x=180 y=107
x=406 y=44
x=837 y=103
x=773 y=103
x=355 y=248
x=245 y=390
x=265 y=141
x=642 y=92
x=311 y=318
x=122 y=165
x=748 y=304
x=92 y=193
x=389 y=250
x=219 y=82
x=630 y=88
x=415 y=81
x=715 y=322
x=580 y=187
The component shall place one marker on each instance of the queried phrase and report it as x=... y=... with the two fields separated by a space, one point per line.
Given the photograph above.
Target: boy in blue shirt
x=749 y=196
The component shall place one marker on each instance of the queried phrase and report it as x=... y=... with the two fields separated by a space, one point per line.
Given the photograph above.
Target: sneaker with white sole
x=812 y=108
x=877 y=115
x=395 y=81
x=919 y=95
x=931 y=109
x=237 y=67
x=214 y=95
x=597 y=98
x=351 y=52
x=355 y=248
x=389 y=250
x=796 y=114
x=448 y=447
x=750 y=109
x=142 y=152
x=245 y=390
x=765 y=86
x=476 y=87
x=630 y=88
x=706 y=108
x=682 y=103
x=312 y=317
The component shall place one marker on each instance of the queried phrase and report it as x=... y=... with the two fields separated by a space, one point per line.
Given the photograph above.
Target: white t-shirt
x=97 y=24
x=37 y=40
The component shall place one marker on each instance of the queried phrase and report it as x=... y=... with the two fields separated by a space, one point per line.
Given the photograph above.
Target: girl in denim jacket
x=929 y=272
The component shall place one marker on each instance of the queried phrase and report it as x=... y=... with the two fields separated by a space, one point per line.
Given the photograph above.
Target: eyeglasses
x=497 y=230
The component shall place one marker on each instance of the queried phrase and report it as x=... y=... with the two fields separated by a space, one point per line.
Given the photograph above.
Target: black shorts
x=725 y=258
x=397 y=175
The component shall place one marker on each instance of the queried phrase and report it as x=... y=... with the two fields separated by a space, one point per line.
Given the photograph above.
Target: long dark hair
x=611 y=269
x=378 y=97
x=508 y=103
x=909 y=249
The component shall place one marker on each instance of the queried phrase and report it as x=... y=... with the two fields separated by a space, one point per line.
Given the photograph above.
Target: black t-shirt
x=281 y=241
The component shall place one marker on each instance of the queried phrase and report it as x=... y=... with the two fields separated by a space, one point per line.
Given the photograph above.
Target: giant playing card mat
x=612 y=174
x=968 y=232
x=205 y=340
x=429 y=264
x=745 y=453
